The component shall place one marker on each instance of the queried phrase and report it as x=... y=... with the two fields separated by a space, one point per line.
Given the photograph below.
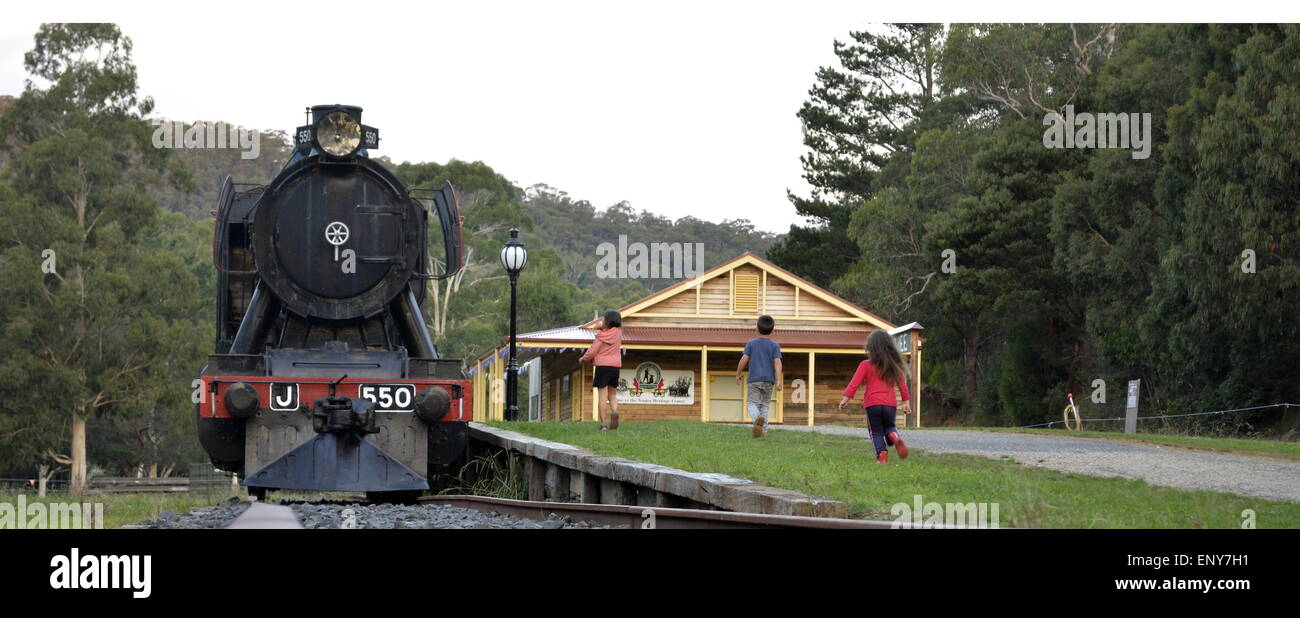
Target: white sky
x=680 y=108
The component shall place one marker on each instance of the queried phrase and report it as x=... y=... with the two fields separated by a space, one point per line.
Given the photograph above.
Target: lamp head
x=513 y=254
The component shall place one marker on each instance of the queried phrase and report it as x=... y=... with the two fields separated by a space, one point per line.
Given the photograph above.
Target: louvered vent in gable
x=744 y=295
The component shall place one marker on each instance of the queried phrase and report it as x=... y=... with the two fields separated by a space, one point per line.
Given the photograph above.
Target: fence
x=1284 y=407
x=203 y=477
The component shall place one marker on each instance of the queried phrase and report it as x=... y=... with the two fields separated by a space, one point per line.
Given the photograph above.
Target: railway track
x=281 y=516
x=650 y=517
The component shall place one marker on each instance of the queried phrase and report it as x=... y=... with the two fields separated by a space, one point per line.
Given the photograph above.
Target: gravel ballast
x=372 y=516
x=1258 y=477
x=396 y=516
x=218 y=516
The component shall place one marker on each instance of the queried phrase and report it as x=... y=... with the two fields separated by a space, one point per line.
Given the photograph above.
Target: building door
x=728 y=401
x=726 y=398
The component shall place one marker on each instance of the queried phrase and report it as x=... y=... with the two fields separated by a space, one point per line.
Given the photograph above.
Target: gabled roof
x=749 y=258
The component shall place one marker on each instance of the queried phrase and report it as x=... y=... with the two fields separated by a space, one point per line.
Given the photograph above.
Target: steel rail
x=656 y=517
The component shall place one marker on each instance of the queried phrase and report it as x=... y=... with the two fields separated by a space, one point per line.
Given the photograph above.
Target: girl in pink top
x=881 y=372
x=606 y=352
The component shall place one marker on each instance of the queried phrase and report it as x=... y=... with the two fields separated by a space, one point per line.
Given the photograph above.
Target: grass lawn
x=843 y=468
x=121 y=508
x=1268 y=448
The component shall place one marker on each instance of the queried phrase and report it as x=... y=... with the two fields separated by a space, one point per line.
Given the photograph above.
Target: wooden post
x=704 y=381
x=916 y=376
x=78 y=453
x=731 y=279
x=501 y=375
x=489 y=391
x=559 y=394
x=478 y=394
x=575 y=395
x=490 y=411
x=477 y=412
x=498 y=397
x=812 y=380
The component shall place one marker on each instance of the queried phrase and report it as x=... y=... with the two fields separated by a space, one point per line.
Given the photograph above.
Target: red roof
x=703 y=336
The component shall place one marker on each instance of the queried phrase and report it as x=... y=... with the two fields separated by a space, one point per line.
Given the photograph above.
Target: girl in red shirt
x=607 y=354
x=882 y=371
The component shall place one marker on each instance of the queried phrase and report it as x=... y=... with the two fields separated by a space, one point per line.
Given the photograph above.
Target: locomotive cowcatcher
x=325 y=377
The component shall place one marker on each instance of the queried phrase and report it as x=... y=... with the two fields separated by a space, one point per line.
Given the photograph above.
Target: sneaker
x=613 y=423
x=603 y=428
x=758 y=428
x=898 y=444
x=882 y=457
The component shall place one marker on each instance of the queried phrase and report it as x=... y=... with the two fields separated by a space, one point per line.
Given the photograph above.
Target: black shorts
x=606 y=376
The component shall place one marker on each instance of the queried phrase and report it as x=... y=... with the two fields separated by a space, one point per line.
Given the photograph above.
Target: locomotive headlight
x=338 y=134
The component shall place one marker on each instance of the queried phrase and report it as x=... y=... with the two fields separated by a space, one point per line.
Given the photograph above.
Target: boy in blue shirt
x=763 y=356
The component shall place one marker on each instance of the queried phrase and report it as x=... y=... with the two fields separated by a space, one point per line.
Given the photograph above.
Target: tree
x=99 y=320
x=1003 y=277
x=1227 y=285
x=1028 y=69
x=857 y=116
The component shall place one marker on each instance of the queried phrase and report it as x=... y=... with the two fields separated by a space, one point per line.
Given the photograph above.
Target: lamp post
x=513 y=258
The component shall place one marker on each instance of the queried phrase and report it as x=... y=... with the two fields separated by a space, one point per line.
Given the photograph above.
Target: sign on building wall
x=649 y=383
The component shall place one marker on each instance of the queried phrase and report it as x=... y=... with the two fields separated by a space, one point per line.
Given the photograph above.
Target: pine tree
x=858 y=115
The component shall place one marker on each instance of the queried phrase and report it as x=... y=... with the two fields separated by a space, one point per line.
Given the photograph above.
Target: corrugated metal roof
x=704 y=336
x=567 y=333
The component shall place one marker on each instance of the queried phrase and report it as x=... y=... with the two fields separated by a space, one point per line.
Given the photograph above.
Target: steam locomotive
x=325 y=377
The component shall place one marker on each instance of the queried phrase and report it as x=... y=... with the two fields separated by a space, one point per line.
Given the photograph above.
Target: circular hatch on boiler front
x=337 y=240
x=327 y=223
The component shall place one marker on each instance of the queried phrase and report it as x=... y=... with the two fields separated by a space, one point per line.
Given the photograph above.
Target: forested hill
x=572 y=226
x=575 y=228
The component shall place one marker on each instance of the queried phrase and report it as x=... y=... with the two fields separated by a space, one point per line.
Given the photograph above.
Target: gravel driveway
x=1260 y=477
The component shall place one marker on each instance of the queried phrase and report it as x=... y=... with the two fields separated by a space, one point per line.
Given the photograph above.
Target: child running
x=882 y=371
x=763 y=356
x=607 y=354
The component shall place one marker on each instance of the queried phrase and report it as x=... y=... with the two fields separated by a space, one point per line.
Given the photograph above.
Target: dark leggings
x=880 y=422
